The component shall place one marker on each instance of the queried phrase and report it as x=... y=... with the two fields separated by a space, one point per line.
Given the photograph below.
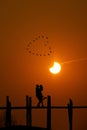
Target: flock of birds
x=39 y=46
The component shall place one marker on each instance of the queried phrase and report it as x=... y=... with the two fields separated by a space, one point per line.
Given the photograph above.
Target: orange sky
x=65 y=24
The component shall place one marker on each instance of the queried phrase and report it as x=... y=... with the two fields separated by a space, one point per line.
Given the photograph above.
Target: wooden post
x=70 y=113
x=8 y=112
x=28 y=111
x=48 y=113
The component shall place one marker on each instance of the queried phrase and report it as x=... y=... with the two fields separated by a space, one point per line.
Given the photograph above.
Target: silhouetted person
x=39 y=95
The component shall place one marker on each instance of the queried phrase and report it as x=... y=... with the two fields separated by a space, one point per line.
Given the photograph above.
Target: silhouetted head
x=41 y=87
x=37 y=86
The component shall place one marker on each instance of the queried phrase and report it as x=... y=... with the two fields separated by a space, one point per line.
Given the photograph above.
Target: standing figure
x=39 y=95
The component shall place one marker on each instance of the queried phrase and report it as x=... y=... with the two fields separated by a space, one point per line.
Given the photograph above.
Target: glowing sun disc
x=56 y=68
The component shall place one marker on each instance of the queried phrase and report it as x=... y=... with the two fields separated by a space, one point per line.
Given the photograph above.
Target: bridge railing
x=29 y=107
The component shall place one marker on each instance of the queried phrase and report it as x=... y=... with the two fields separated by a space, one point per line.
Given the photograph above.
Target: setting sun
x=56 y=68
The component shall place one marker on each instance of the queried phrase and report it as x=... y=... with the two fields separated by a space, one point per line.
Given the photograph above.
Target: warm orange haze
x=34 y=34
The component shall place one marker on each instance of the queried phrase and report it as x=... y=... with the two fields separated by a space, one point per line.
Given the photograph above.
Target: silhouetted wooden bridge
x=29 y=107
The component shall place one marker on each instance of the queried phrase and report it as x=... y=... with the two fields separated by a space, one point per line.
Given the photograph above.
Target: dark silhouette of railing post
x=70 y=113
x=48 y=112
x=28 y=111
x=8 y=112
